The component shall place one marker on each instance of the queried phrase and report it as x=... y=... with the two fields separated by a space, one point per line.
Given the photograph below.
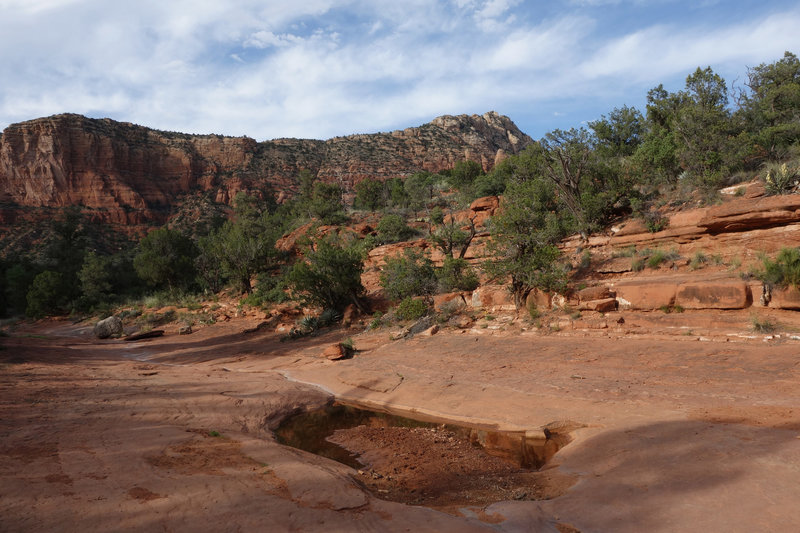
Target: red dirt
x=439 y=468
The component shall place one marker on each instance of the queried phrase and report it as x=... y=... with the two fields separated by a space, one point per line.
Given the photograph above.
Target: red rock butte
x=131 y=175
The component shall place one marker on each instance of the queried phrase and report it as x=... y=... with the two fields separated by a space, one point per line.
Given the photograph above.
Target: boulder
x=599 y=292
x=603 y=305
x=723 y=294
x=539 y=299
x=493 y=298
x=646 y=294
x=185 y=330
x=452 y=300
x=337 y=352
x=107 y=327
x=788 y=298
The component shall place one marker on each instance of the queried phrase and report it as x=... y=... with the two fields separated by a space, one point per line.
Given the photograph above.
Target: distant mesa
x=130 y=175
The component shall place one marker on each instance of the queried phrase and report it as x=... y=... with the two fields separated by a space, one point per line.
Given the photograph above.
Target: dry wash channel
x=438 y=465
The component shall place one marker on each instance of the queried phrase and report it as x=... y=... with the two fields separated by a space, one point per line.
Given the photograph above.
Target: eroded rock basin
x=438 y=465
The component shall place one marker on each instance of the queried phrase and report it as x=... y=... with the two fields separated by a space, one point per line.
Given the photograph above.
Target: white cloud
x=265 y=39
x=661 y=51
x=320 y=68
x=34 y=6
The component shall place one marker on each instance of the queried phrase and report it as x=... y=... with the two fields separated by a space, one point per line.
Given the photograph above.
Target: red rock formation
x=722 y=294
x=788 y=298
x=128 y=174
x=650 y=293
x=603 y=305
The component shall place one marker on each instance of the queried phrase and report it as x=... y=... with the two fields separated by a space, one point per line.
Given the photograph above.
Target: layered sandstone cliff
x=128 y=174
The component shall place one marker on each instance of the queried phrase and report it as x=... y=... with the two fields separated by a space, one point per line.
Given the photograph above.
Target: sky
x=323 y=68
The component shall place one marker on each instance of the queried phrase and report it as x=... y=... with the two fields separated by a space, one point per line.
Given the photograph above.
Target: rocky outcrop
x=128 y=174
x=745 y=214
x=493 y=298
x=687 y=292
x=646 y=294
x=786 y=298
x=723 y=294
x=603 y=305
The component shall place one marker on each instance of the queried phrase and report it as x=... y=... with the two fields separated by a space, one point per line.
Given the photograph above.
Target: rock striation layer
x=132 y=175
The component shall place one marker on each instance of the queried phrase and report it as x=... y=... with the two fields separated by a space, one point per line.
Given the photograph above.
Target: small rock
x=336 y=352
x=433 y=330
x=185 y=330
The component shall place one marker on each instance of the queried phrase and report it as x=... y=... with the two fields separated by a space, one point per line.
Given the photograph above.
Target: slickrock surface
x=675 y=434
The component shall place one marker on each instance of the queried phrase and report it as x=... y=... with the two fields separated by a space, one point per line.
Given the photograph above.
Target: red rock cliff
x=130 y=175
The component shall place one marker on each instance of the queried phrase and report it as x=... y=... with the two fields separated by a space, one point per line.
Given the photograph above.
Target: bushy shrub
x=411 y=309
x=533 y=309
x=393 y=228
x=330 y=275
x=95 y=277
x=783 y=271
x=45 y=295
x=463 y=174
x=437 y=215
x=326 y=204
x=457 y=274
x=268 y=289
x=18 y=279
x=166 y=259
x=412 y=274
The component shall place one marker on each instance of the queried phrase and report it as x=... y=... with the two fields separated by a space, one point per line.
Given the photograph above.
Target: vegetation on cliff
x=681 y=150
